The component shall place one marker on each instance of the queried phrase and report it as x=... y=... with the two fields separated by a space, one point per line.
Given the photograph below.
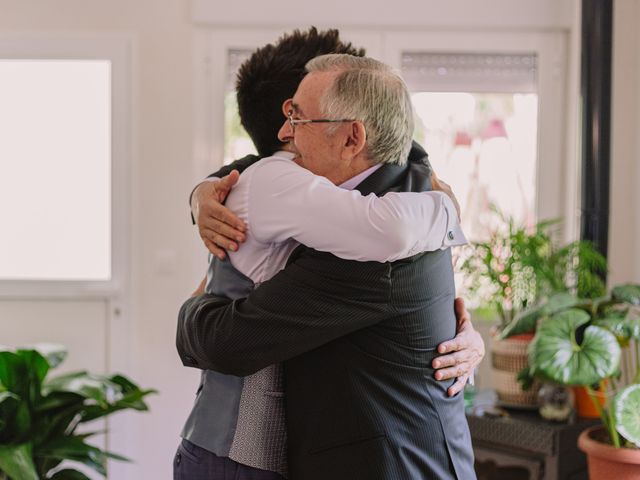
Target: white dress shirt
x=284 y=205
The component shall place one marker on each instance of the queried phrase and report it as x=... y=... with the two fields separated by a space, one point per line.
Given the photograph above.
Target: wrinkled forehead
x=311 y=90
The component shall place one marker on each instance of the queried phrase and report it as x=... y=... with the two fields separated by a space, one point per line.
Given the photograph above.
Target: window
x=476 y=114
x=55 y=169
x=505 y=107
x=237 y=142
x=64 y=156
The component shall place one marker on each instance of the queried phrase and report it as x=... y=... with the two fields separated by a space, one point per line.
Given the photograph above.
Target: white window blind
x=470 y=72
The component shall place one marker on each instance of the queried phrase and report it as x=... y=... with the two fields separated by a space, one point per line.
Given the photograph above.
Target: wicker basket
x=508 y=358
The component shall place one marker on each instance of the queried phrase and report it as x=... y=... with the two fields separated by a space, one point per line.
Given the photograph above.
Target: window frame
x=118 y=50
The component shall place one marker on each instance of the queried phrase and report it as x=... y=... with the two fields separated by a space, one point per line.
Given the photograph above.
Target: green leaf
x=54 y=425
x=9 y=403
x=616 y=325
x=58 y=400
x=526 y=321
x=93 y=387
x=74 y=448
x=625 y=325
x=53 y=353
x=37 y=365
x=15 y=418
x=561 y=301
x=22 y=422
x=628 y=293
x=16 y=461
x=555 y=354
x=132 y=400
x=525 y=378
x=13 y=373
x=68 y=474
x=627 y=413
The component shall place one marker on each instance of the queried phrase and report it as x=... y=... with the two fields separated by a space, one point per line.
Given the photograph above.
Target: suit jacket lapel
x=382 y=179
x=413 y=176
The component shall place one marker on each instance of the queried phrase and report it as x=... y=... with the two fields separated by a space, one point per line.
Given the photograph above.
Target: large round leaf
x=556 y=355
x=627 y=413
x=625 y=325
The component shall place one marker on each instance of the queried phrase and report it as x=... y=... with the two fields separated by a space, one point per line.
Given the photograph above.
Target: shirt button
x=178 y=458
x=450 y=235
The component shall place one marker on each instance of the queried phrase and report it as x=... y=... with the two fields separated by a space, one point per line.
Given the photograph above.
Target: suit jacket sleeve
x=301 y=308
x=240 y=165
x=315 y=299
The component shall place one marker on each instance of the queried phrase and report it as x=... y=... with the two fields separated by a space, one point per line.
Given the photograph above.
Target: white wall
x=161 y=236
x=624 y=232
x=513 y=14
x=160 y=225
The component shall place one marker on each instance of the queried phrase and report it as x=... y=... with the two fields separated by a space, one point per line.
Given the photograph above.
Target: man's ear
x=356 y=140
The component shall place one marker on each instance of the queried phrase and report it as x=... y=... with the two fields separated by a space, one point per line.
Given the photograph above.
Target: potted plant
x=515 y=268
x=580 y=342
x=40 y=415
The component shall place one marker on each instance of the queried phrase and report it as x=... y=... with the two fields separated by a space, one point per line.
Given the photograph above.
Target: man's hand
x=464 y=352
x=219 y=228
x=440 y=186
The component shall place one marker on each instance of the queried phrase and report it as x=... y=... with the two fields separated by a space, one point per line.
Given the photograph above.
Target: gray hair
x=370 y=91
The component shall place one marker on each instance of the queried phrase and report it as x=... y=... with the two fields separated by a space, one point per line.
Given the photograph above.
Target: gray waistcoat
x=235 y=417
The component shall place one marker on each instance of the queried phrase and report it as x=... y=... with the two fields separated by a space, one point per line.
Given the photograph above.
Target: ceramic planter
x=584 y=405
x=607 y=462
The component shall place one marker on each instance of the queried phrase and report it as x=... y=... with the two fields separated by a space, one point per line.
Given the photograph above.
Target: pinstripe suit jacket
x=357 y=340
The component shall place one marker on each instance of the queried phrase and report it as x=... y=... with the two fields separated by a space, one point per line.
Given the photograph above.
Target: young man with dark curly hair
x=236 y=429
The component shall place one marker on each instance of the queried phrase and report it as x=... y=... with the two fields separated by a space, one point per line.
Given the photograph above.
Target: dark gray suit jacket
x=357 y=339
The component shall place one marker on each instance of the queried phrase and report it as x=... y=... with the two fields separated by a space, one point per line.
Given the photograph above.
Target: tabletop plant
x=41 y=415
x=579 y=342
x=517 y=266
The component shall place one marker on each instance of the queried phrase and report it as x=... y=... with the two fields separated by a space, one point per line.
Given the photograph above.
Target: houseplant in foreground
x=40 y=414
x=516 y=267
x=580 y=342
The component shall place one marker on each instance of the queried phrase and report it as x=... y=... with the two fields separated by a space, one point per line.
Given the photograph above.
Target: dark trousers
x=194 y=463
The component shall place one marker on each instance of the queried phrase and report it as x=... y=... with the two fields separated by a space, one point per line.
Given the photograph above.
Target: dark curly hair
x=272 y=74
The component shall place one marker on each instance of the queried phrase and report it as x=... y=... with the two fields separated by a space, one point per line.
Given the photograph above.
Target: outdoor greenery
x=519 y=266
x=40 y=415
x=580 y=342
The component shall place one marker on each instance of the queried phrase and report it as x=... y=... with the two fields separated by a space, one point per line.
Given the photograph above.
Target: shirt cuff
x=454 y=235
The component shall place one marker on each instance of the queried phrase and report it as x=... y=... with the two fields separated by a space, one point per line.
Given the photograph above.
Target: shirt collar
x=350 y=184
x=353 y=182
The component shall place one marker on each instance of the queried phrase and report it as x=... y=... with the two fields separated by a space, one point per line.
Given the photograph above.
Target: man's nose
x=285 y=134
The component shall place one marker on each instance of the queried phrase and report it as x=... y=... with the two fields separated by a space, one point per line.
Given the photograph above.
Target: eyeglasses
x=293 y=122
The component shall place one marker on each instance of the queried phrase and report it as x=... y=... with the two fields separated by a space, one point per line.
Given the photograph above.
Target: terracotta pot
x=584 y=405
x=607 y=462
x=508 y=358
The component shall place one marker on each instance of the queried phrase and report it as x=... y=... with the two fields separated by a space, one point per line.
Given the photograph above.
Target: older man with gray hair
x=357 y=338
